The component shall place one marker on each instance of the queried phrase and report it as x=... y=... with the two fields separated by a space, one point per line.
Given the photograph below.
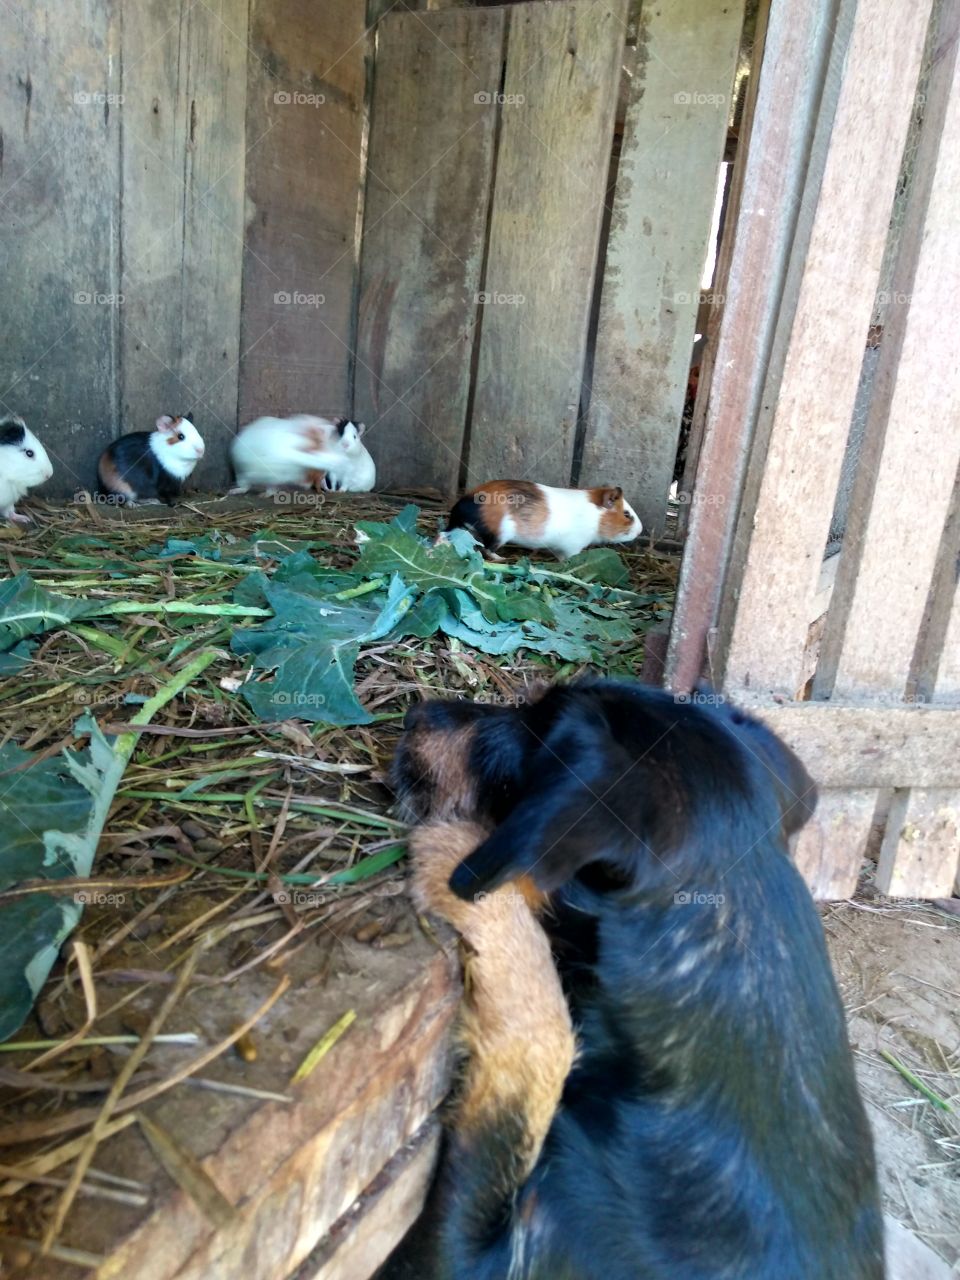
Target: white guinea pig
x=150 y=466
x=23 y=464
x=302 y=450
x=536 y=517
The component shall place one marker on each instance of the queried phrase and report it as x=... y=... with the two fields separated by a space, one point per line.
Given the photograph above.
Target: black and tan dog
x=658 y=1083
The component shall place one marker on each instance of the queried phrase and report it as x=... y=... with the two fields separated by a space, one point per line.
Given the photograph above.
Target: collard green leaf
x=311 y=646
x=27 y=609
x=14 y=660
x=598 y=564
x=43 y=810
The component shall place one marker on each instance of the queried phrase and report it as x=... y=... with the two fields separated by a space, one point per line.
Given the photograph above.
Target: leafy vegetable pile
x=303 y=627
x=401 y=585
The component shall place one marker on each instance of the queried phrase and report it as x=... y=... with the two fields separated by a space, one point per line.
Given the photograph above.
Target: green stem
x=908 y=1075
x=364 y=589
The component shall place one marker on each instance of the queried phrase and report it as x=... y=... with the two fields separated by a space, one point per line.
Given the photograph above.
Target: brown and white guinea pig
x=150 y=466
x=302 y=450
x=538 y=517
x=23 y=464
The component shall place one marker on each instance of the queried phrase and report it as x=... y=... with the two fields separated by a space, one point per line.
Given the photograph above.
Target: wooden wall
x=157 y=192
x=483 y=233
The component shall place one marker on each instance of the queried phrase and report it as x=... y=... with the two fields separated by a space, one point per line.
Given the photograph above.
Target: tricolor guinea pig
x=150 y=466
x=537 y=517
x=23 y=464
x=302 y=450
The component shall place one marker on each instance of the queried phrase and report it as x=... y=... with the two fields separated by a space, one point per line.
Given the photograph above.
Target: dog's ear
x=795 y=790
x=570 y=815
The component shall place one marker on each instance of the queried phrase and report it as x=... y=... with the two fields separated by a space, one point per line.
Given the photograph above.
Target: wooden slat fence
x=867 y=691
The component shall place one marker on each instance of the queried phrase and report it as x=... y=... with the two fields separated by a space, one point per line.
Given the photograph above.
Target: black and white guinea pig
x=302 y=450
x=150 y=466
x=23 y=464
x=538 y=517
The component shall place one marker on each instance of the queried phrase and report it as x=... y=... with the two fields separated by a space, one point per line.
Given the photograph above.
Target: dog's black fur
x=711 y=1128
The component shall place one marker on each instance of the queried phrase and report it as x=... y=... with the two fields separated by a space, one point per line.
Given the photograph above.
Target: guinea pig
x=150 y=466
x=538 y=517
x=23 y=464
x=302 y=450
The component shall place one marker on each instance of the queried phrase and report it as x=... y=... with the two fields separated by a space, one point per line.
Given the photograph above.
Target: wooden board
x=59 y=175
x=825 y=348
x=868 y=746
x=184 y=82
x=674 y=137
x=773 y=167
x=886 y=559
x=561 y=84
x=293 y=1171
x=368 y=1233
x=829 y=849
x=428 y=189
x=305 y=132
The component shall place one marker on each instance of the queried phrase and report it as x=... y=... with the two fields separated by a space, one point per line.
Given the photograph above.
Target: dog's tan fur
x=516 y=1026
x=443 y=759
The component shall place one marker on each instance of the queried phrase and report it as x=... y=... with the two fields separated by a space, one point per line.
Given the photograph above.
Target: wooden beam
x=674 y=137
x=183 y=159
x=560 y=87
x=824 y=352
x=868 y=746
x=294 y=1171
x=428 y=190
x=774 y=168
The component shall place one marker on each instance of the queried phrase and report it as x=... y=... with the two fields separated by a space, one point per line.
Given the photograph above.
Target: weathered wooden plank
x=428 y=191
x=373 y=1227
x=294 y=1171
x=886 y=559
x=921 y=843
x=185 y=73
x=561 y=83
x=710 y=310
x=774 y=166
x=825 y=347
x=674 y=136
x=59 y=177
x=829 y=849
x=869 y=746
x=304 y=120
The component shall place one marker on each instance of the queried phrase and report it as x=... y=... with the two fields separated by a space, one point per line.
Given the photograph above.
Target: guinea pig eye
x=181 y=436
x=29 y=453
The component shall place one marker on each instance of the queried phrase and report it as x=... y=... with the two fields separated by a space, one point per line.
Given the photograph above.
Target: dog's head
x=605 y=781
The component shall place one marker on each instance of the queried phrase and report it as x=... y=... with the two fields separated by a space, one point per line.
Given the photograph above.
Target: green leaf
x=439 y=567
x=598 y=564
x=311 y=645
x=13 y=662
x=27 y=610
x=51 y=815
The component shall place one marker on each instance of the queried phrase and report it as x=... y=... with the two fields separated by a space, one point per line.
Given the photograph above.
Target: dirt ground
x=898 y=966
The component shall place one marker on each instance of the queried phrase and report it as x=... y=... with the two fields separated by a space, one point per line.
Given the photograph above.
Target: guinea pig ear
x=164 y=422
x=611 y=497
x=361 y=428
